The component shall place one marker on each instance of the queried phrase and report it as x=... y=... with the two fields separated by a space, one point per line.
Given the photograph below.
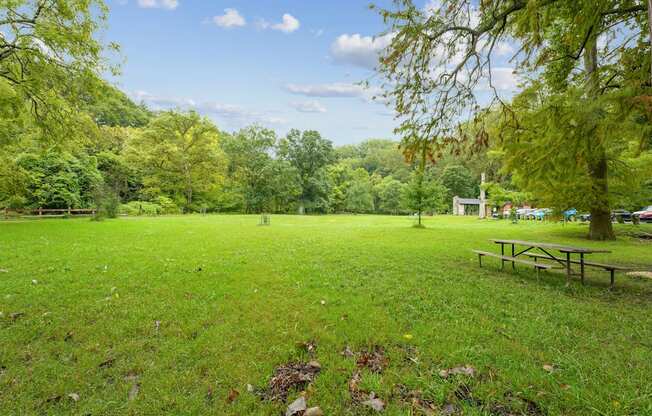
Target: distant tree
x=284 y=186
x=422 y=194
x=389 y=192
x=458 y=181
x=309 y=153
x=384 y=158
x=359 y=196
x=56 y=179
x=111 y=107
x=249 y=154
x=179 y=155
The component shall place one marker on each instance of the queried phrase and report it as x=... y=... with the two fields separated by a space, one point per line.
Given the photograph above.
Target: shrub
x=167 y=205
x=135 y=208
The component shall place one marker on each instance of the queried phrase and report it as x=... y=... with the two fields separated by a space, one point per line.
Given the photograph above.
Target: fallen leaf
x=53 y=399
x=313 y=411
x=250 y=388
x=373 y=359
x=233 y=394
x=375 y=403
x=157 y=325
x=16 y=315
x=450 y=409
x=549 y=368
x=134 y=391
x=74 y=397
x=564 y=386
x=107 y=363
x=323 y=302
x=466 y=370
x=35 y=282
x=408 y=336
x=296 y=407
x=346 y=352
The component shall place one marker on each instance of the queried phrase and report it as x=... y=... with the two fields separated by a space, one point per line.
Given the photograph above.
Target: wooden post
x=40 y=211
x=68 y=210
x=513 y=262
x=582 y=268
x=568 y=268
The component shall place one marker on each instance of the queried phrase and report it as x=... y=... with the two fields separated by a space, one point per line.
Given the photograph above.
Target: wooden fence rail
x=50 y=212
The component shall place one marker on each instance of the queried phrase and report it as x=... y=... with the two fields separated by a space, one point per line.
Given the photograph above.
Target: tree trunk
x=601 y=227
x=649 y=23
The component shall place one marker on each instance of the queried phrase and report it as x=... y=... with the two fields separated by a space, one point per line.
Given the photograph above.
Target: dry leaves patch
x=374 y=360
x=293 y=376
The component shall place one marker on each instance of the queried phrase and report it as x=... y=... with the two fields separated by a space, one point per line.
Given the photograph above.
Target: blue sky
x=280 y=63
x=284 y=63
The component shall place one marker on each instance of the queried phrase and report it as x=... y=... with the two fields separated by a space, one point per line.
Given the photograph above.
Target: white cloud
x=234 y=115
x=288 y=24
x=230 y=18
x=308 y=107
x=359 y=50
x=337 y=89
x=158 y=4
x=502 y=79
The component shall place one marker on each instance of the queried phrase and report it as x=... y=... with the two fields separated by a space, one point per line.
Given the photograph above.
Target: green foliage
x=50 y=61
x=459 y=182
x=309 y=154
x=178 y=154
x=58 y=180
x=111 y=107
x=359 y=196
x=390 y=193
x=136 y=208
x=423 y=194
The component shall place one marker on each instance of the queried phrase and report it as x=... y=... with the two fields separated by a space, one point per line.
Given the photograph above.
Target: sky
x=282 y=64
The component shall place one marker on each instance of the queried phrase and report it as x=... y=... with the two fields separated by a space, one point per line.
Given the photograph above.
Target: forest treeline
x=136 y=161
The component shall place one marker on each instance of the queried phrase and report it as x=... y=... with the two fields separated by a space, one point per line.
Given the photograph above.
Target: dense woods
x=136 y=161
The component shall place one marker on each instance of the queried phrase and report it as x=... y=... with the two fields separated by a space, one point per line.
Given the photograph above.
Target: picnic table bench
x=564 y=261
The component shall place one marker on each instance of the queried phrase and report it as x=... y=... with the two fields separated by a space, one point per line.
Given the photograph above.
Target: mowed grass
x=233 y=300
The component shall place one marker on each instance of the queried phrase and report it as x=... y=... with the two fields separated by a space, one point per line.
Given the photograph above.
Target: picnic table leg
x=568 y=268
x=612 y=279
x=513 y=255
x=502 y=253
x=582 y=267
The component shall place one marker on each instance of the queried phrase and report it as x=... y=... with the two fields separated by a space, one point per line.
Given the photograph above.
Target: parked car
x=645 y=215
x=622 y=213
x=585 y=217
x=570 y=214
x=541 y=214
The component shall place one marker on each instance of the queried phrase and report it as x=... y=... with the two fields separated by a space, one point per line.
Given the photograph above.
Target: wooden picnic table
x=546 y=248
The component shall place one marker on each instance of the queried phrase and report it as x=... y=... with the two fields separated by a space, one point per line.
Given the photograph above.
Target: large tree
x=441 y=55
x=50 y=62
x=179 y=156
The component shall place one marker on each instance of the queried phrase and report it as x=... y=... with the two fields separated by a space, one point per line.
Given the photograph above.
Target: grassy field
x=178 y=315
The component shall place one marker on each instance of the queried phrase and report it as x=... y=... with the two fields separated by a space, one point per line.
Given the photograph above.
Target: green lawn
x=234 y=300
